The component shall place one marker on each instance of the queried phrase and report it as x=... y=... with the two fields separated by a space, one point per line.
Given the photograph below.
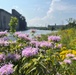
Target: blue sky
x=42 y=12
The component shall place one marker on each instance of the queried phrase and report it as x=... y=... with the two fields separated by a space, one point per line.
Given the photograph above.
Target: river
x=38 y=32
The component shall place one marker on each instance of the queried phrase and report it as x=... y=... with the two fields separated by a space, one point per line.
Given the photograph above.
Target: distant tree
x=53 y=28
x=13 y=23
x=71 y=22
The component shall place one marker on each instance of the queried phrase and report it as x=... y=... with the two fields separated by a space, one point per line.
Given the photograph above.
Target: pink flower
x=70 y=55
x=74 y=58
x=54 y=38
x=59 y=46
x=13 y=57
x=2 y=57
x=61 y=63
x=45 y=44
x=17 y=33
x=67 y=61
x=7 y=69
x=33 y=30
x=35 y=43
x=29 y=51
x=24 y=36
x=3 y=33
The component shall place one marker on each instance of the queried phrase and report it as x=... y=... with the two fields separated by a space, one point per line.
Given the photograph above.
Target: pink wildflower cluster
x=6 y=43
x=29 y=51
x=17 y=33
x=2 y=57
x=67 y=61
x=7 y=69
x=41 y=44
x=70 y=55
x=35 y=43
x=45 y=44
x=54 y=38
x=24 y=36
x=13 y=57
x=3 y=33
x=69 y=58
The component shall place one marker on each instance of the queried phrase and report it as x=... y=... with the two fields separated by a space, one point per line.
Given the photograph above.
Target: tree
x=71 y=22
x=13 y=23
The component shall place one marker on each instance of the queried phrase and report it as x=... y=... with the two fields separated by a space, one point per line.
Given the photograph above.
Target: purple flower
x=4 y=38
x=3 y=33
x=60 y=63
x=35 y=43
x=59 y=46
x=10 y=56
x=29 y=51
x=24 y=36
x=70 y=55
x=74 y=58
x=13 y=57
x=17 y=56
x=67 y=61
x=4 y=43
x=2 y=57
x=17 y=33
x=7 y=69
x=54 y=38
x=46 y=44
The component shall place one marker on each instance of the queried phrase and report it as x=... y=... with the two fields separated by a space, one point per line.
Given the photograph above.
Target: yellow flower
x=65 y=52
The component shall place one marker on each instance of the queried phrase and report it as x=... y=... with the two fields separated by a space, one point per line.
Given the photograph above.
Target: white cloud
x=50 y=18
x=46 y=19
x=60 y=5
x=52 y=6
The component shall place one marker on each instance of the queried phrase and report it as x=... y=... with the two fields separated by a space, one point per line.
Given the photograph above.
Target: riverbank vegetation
x=51 y=54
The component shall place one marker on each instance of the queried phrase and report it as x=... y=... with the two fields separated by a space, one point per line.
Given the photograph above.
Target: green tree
x=13 y=23
x=71 y=22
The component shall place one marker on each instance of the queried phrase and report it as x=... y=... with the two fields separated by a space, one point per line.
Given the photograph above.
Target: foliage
x=71 y=24
x=67 y=36
x=39 y=55
x=13 y=23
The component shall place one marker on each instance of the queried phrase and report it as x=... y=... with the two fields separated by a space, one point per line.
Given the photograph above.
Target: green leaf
x=32 y=70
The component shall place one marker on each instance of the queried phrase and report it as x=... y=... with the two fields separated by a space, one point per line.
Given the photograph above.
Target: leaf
x=15 y=67
x=31 y=70
x=43 y=66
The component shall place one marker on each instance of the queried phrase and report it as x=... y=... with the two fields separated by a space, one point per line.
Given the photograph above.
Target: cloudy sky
x=42 y=12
